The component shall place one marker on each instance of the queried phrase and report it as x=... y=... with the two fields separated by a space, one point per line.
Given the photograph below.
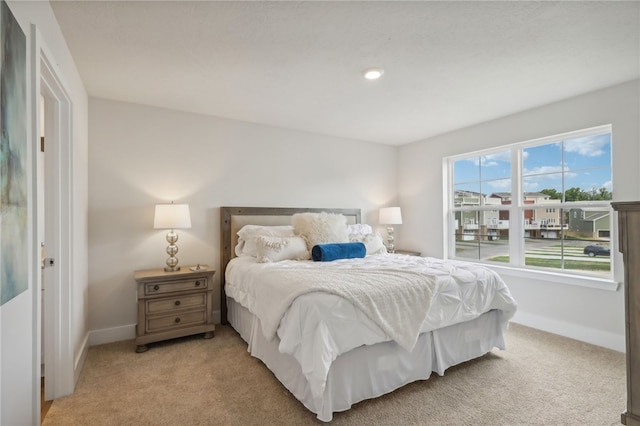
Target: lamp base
x=391 y=248
x=172 y=250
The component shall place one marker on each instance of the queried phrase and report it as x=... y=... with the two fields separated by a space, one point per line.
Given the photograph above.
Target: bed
x=331 y=348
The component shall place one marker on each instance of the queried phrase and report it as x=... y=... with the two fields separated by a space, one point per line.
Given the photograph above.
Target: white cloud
x=492 y=160
x=544 y=172
x=501 y=185
x=530 y=186
x=549 y=172
x=588 y=146
x=495 y=159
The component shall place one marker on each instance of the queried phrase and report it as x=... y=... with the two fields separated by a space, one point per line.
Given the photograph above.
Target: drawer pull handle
x=156 y=287
x=197 y=283
x=177 y=303
x=177 y=320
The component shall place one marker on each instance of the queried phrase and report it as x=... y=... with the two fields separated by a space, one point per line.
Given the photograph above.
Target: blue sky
x=583 y=162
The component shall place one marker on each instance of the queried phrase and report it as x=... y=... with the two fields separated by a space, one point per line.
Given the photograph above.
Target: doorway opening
x=54 y=370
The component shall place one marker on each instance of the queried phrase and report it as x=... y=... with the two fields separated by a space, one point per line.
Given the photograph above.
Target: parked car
x=597 y=251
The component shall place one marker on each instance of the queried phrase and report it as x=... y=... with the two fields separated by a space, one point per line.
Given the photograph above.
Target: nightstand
x=173 y=304
x=409 y=252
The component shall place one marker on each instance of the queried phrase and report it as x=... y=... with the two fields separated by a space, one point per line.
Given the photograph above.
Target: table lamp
x=390 y=216
x=172 y=217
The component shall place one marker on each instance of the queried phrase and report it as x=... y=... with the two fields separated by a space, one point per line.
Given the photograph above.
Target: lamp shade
x=172 y=216
x=390 y=216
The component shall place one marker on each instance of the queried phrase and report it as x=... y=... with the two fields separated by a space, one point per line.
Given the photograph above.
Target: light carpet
x=541 y=379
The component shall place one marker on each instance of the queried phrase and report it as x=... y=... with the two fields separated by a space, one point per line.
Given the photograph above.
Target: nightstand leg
x=208 y=335
x=141 y=348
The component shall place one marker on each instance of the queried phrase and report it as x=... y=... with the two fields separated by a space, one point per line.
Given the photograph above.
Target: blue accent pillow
x=335 y=251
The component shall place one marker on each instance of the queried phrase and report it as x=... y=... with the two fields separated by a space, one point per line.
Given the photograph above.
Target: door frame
x=58 y=351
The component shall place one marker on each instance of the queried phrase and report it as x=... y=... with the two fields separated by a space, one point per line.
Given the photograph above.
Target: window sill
x=558 y=278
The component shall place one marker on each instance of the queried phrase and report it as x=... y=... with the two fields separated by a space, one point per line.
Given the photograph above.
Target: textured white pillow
x=275 y=249
x=359 y=228
x=248 y=235
x=373 y=242
x=320 y=228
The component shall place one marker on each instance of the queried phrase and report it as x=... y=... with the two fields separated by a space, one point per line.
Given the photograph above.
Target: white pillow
x=275 y=249
x=373 y=242
x=320 y=228
x=248 y=234
x=359 y=228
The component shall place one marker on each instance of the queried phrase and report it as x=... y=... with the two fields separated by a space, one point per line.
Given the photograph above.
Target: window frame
x=517 y=262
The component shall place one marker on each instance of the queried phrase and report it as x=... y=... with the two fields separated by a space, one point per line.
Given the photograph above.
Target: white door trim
x=58 y=353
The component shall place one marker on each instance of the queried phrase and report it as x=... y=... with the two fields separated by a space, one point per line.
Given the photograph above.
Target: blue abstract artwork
x=13 y=157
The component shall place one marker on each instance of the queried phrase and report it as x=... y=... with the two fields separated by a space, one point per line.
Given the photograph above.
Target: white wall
x=19 y=359
x=140 y=156
x=592 y=315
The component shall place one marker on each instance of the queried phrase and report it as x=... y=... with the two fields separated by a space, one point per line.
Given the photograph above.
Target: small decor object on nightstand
x=172 y=217
x=199 y=267
x=173 y=304
x=390 y=216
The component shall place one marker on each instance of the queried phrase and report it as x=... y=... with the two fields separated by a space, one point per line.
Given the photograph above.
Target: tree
x=578 y=194
x=575 y=194
x=552 y=193
x=604 y=194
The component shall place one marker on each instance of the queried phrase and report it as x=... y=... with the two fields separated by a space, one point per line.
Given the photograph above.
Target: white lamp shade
x=390 y=216
x=172 y=216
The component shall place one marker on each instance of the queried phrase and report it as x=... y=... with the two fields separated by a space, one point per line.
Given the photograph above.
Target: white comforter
x=316 y=326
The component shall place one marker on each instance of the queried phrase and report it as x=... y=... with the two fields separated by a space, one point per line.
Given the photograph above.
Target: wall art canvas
x=13 y=157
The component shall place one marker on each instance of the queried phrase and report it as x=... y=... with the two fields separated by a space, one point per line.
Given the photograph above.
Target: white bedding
x=396 y=300
x=318 y=326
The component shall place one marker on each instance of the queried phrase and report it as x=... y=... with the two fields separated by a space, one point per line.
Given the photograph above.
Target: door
x=54 y=213
x=41 y=214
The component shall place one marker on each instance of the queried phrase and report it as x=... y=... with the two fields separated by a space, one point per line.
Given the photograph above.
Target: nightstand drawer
x=178 y=302
x=161 y=287
x=175 y=321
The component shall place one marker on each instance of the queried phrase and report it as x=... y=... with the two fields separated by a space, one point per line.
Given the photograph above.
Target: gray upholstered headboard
x=234 y=218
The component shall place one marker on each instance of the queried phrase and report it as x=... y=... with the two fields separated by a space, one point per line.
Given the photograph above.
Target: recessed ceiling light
x=373 y=73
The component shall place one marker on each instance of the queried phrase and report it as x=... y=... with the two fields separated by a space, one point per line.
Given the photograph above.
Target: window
x=542 y=204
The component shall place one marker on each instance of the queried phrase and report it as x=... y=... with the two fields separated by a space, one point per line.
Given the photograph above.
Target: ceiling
x=298 y=64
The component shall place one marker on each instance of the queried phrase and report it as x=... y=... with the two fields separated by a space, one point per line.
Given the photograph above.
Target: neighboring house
x=540 y=222
x=478 y=224
x=590 y=222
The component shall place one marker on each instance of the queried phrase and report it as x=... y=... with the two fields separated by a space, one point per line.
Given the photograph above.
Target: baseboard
x=124 y=332
x=80 y=359
x=573 y=331
x=113 y=334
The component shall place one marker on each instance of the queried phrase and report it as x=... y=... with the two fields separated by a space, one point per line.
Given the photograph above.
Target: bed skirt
x=371 y=371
